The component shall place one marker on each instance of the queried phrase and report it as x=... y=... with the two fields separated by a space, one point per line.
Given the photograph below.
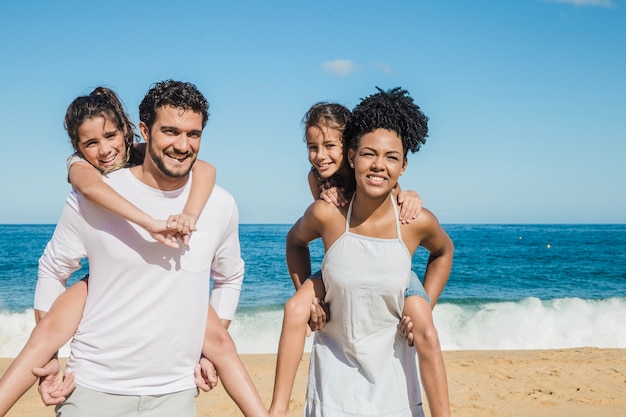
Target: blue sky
x=526 y=98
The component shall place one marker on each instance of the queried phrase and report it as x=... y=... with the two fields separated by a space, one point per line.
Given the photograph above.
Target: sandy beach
x=539 y=383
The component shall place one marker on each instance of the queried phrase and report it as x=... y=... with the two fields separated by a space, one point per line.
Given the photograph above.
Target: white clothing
x=144 y=319
x=73 y=158
x=360 y=364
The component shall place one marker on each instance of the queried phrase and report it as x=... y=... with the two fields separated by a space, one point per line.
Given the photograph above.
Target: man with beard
x=144 y=320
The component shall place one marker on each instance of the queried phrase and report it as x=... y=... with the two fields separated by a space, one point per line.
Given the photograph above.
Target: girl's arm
x=202 y=183
x=332 y=195
x=314 y=185
x=410 y=204
x=87 y=180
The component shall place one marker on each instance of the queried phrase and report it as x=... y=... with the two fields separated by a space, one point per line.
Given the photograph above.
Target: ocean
x=511 y=286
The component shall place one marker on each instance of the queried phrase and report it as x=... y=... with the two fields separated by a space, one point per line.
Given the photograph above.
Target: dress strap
x=349 y=213
x=397 y=217
x=395 y=213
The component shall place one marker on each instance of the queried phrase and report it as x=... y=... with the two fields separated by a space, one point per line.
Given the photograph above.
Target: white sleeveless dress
x=361 y=365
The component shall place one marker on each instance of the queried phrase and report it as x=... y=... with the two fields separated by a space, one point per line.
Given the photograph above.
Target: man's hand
x=406 y=327
x=54 y=386
x=319 y=315
x=205 y=375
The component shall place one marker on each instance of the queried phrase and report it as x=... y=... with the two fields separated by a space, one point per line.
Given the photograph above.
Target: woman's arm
x=439 y=264
x=88 y=181
x=297 y=249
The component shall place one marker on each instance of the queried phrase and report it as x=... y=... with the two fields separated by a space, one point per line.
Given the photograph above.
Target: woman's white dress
x=361 y=365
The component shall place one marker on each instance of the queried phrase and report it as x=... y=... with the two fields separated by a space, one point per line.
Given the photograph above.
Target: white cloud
x=340 y=67
x=381 y=66
x=599 y=3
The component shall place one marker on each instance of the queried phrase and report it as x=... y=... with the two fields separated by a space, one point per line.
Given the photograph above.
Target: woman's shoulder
x=321 y=214
x=322 y=208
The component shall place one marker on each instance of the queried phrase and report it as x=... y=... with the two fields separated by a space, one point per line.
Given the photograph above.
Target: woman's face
x=378 y=162
x=325 y=147
x=101 y=142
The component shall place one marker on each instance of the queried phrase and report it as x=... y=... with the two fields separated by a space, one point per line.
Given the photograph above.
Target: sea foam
x=530 y=323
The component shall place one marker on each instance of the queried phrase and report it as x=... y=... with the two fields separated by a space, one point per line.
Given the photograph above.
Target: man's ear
x=145 y=132
x=351 y=158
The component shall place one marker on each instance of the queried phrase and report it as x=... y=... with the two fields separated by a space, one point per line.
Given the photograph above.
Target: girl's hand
x=161 y=233
x=410 y=205
x=334 y=195
x=183 y=224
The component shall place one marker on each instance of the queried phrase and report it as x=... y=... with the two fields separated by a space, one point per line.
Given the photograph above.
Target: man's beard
x=160 y=164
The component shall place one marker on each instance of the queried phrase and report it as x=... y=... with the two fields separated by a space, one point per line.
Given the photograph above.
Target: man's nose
x=182 y=143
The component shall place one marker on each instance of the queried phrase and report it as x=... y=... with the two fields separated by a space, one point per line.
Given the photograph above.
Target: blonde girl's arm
x=202 y=184
x=87 y=180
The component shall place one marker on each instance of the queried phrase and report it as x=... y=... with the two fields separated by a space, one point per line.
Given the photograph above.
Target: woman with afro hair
x=360 y=362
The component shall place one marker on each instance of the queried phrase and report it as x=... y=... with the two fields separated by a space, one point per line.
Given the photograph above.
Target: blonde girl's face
x=101 y=142
x=378 y=162
x=325 y=146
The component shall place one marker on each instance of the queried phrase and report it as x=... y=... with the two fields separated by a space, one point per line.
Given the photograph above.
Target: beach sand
x=539 y=383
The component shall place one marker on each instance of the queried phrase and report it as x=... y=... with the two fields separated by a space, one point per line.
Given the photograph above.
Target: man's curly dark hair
x=392 y=110
x=178 y=94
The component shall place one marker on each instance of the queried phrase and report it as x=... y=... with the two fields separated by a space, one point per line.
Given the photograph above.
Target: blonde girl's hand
x=161 y=233
x=334 y=195
x=410 y=205
x=183 y=225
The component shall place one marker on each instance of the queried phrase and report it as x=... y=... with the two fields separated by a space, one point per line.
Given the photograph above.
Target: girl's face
x=325 y=147
x=101 y=142
x=378 y=162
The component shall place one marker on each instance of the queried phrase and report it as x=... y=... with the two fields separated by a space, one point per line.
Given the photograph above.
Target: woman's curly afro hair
x=392 y=110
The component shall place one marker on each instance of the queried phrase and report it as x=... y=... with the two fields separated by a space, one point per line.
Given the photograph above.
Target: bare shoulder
x=322 y=219
x=425 y=230
x=425 y=220
x=324 y=209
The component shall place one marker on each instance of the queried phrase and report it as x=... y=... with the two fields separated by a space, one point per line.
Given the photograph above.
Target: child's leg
x=291 y=344
x=50 y=334
x=432 y=366
x=220 y=349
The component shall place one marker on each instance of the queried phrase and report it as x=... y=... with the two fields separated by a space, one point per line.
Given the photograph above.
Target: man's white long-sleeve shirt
x=144 y=319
